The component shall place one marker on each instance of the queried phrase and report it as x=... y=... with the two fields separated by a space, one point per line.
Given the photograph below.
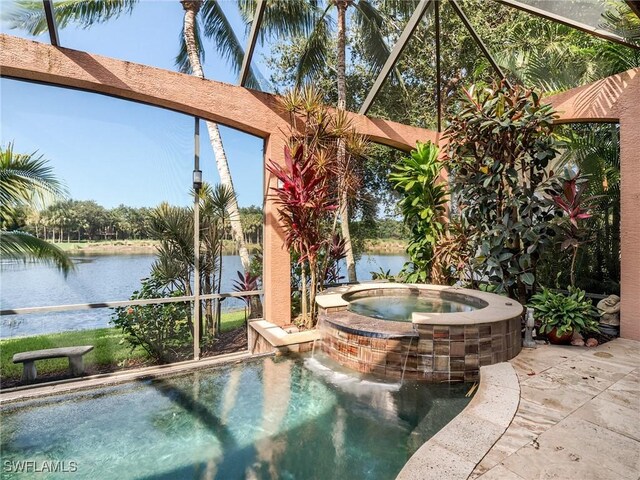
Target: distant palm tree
x=200 y=16
x=27 y=181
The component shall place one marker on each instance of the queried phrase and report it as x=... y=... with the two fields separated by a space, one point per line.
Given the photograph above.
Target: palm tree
x=26 y=180
x=370 y=24
x=174 y=265
x=204 y=16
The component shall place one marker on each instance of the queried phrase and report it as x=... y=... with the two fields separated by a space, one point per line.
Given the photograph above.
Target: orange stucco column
x=276 y=275
x=630 y=218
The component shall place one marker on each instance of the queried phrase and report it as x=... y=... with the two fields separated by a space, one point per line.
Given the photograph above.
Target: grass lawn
x=111 y=349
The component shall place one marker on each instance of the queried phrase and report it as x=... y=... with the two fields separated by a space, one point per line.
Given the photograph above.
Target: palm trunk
x=225 y=179
x=342 y=105
x=342 y=40
x=191 y=8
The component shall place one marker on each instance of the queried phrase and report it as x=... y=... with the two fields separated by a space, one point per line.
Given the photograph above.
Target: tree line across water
x=86 y=220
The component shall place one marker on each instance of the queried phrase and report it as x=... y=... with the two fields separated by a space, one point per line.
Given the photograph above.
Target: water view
x=268 y=419
x=106 y=278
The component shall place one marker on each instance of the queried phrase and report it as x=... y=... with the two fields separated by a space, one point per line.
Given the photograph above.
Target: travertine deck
x=578 y=417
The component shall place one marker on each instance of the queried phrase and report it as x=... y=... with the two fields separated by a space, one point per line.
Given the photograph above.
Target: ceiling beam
x=478 y=40
x=634 y=5
x=572 y=23
x=413 y=23
x=51 y=23
x=251 y=42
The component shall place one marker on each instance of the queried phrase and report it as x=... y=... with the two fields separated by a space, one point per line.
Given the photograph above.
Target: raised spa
x=400 y=306
x=429 y=332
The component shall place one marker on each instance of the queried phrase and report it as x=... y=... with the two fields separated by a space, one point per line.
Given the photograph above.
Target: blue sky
x=114 y=151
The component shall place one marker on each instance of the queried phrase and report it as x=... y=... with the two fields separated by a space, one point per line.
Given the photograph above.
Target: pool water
x=400 y=307
x=264 y=419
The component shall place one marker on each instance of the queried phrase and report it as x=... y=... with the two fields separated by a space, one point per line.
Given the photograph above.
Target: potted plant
x=561 y=315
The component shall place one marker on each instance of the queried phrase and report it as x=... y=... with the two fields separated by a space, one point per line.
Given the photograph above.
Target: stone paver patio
x=578 y=416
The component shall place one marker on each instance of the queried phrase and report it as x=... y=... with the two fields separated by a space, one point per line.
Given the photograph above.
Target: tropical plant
x=246 y=282
x=27 y=181
x=594 y=149
x=383 y=275
x=417 y=178
x=368 y=22
x=330 y=260
x=499 y=147
x=566 y=313
x=612 y=57
x=452 y=255
x=163 y=330
x=304 y=203
x=575 y=207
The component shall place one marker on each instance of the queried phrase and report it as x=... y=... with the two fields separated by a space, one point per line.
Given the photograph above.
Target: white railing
x=125 y=303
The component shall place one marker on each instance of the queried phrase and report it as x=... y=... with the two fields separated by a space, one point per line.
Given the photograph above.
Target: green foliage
x=383 y=275
x=163 y=330
x=27 y=183
x=564 y=312
x=499 y=148
x=594 y=150
x=575 y=208
x=417 y=179
x=452 y=255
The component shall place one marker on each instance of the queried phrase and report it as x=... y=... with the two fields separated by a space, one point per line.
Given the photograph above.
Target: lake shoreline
x=149 y=247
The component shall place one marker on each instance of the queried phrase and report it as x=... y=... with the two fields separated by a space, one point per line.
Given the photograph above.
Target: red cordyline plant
x=304 y=200
x=576 y=208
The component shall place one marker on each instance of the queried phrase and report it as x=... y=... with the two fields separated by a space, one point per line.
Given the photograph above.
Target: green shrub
x=564 y=312
x=163 y=330
x=499 y=147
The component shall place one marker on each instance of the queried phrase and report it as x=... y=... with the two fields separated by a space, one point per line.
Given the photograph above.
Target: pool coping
x=454 y=451
x=27 y=392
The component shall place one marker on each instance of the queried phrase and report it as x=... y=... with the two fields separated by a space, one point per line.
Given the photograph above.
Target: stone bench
x=75 y=354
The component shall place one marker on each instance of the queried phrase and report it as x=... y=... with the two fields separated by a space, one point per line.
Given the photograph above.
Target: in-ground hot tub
x=431 y=332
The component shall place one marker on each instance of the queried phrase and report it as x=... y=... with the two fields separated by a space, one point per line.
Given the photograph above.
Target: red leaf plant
x=304 y=200
x=576 y=207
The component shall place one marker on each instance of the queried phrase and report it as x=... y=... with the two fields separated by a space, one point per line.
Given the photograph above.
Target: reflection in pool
x=263 y=419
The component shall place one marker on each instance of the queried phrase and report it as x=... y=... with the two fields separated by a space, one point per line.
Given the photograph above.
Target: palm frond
x=28 y=15
x=217 y=27
x=621 y=20
x=26 y=180
x=17 y=245
x=289 y=18
x=182 y=59
x=315 y=51
x=370 y=23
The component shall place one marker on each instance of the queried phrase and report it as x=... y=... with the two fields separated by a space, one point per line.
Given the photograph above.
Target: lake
x=106 y=278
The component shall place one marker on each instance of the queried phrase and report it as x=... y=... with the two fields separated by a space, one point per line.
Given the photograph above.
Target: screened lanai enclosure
x=174 y=158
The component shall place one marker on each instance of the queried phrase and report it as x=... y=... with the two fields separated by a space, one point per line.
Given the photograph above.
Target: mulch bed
x=228 y=342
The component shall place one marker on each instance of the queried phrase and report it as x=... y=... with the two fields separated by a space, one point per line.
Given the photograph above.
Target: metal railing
x=125 y=303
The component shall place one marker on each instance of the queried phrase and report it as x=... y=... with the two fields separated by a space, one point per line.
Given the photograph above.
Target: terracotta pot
x=559 y=339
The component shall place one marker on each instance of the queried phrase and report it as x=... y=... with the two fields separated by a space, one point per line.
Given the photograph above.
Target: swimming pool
x=267 y=418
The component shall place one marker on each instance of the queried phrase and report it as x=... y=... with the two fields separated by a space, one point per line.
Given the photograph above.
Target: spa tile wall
x=437 y=354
